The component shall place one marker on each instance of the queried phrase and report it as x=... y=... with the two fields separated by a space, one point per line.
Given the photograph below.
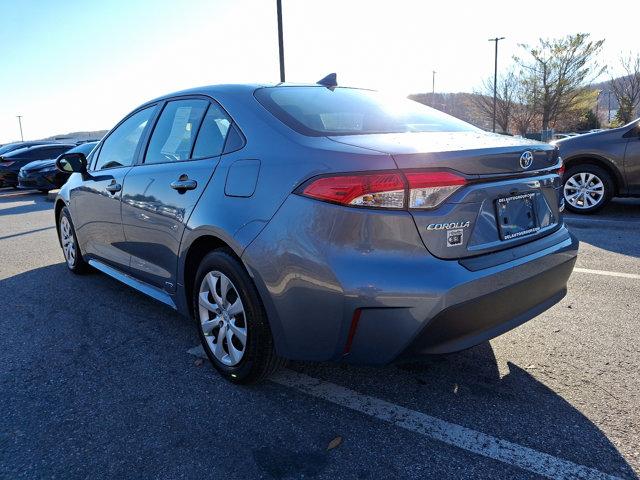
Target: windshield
x=320 y=111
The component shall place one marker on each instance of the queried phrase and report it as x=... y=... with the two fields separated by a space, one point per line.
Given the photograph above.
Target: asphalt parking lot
x=99 y=381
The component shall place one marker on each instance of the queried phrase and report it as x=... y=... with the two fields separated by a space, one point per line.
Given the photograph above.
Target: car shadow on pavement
x=468 y=389
x=94 y=377
x=29 y=201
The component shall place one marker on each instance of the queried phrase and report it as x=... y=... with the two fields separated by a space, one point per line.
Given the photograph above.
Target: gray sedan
x=321 y=223
x=600 y=166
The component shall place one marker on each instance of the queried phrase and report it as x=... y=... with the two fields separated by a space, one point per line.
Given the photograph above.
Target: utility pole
x=20 y=123
x=495 y=79
x=280 y=40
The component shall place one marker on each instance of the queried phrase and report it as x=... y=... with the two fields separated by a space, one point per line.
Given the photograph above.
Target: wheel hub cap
x=222 y=318
x=67 y=241
x=584 y=190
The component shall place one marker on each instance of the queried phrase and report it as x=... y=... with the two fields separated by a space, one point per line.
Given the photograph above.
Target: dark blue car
x=43 y=174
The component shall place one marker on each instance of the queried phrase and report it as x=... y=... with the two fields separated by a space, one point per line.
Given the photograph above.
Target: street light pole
x=433 y=83
x=495 y=79
x=280 y=40
x=20 y=123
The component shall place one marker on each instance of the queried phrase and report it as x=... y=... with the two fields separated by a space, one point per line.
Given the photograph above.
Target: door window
x=119 y=148
x=175 y=132
x=213 y=133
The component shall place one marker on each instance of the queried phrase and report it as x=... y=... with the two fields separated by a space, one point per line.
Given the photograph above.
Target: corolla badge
x=526 y=160
x=448 y=226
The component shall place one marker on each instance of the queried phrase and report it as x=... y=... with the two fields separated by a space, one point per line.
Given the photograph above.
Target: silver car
x=319 y=223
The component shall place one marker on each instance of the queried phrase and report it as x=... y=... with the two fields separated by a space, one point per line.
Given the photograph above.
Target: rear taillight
x=422 y=189
x=561 y=169
x=383 y=190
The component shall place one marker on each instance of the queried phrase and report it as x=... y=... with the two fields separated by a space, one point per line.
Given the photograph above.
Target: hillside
x=77 y=136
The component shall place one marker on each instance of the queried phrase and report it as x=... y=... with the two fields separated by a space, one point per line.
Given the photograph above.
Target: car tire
x=235 y=336
x=69 y=243
x=586 y=188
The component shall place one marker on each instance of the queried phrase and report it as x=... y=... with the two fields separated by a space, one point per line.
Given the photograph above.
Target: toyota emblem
x=526 y=160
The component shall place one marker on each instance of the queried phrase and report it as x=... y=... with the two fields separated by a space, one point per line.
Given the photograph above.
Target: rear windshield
x=319 y=111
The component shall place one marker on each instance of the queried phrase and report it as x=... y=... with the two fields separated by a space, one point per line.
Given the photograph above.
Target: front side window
x=319 y=111
x=175 y=132
x=119 y=148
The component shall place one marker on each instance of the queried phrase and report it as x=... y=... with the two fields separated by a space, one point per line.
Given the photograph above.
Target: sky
x=70 y=65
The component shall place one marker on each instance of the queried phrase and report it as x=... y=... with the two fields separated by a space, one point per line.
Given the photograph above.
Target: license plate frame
x=517 y=216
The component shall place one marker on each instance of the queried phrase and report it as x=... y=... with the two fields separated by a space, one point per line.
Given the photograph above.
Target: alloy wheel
x=584 y=190
x=222 y=318
x=68 y=241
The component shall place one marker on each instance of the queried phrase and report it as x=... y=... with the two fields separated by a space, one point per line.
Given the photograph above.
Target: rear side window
x=212 y=134
x=119 y=148
x=320 y=111
x=175 y=132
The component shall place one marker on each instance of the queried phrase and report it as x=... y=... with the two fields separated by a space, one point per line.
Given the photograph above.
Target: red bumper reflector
x=352 y=330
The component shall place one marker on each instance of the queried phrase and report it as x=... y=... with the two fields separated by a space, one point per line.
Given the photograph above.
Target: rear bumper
x=316 y=265
x=479 y=306
x=472 y=322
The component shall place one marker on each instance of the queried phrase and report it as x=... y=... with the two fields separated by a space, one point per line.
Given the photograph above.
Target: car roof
x=20 y=151
x=232 y=88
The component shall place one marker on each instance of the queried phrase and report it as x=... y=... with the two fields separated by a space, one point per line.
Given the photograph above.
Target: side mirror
x=72 y=162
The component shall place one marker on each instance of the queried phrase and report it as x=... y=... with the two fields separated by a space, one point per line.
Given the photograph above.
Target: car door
x=160 y=193
x=96 y=200
x=632 y=160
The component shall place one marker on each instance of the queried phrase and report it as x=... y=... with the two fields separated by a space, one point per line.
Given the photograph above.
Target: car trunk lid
x=510 y=198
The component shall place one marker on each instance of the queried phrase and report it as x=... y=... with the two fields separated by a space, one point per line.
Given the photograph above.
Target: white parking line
x=434 y=428
x=449 y=433
x=586 y=220
x=607 y=273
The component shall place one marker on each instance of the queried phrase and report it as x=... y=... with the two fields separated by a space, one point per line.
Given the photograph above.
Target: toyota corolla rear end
x=460 y=241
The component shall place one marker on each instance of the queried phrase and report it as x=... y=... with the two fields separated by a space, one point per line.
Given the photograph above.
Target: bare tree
x=557 y=71
x=483 y=99
x=626 y=88
x=525 y=117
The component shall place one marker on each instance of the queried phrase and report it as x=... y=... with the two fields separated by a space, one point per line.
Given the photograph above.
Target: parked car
x=599 y=166
x=319 y=223
x=10 y=147
x=43 y=174
x=12 y=162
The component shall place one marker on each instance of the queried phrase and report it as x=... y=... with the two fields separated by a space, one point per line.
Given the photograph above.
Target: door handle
x=183 y=183
x=113 y=187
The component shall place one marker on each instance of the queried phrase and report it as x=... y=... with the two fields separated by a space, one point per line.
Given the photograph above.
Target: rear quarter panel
x=286 y=159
